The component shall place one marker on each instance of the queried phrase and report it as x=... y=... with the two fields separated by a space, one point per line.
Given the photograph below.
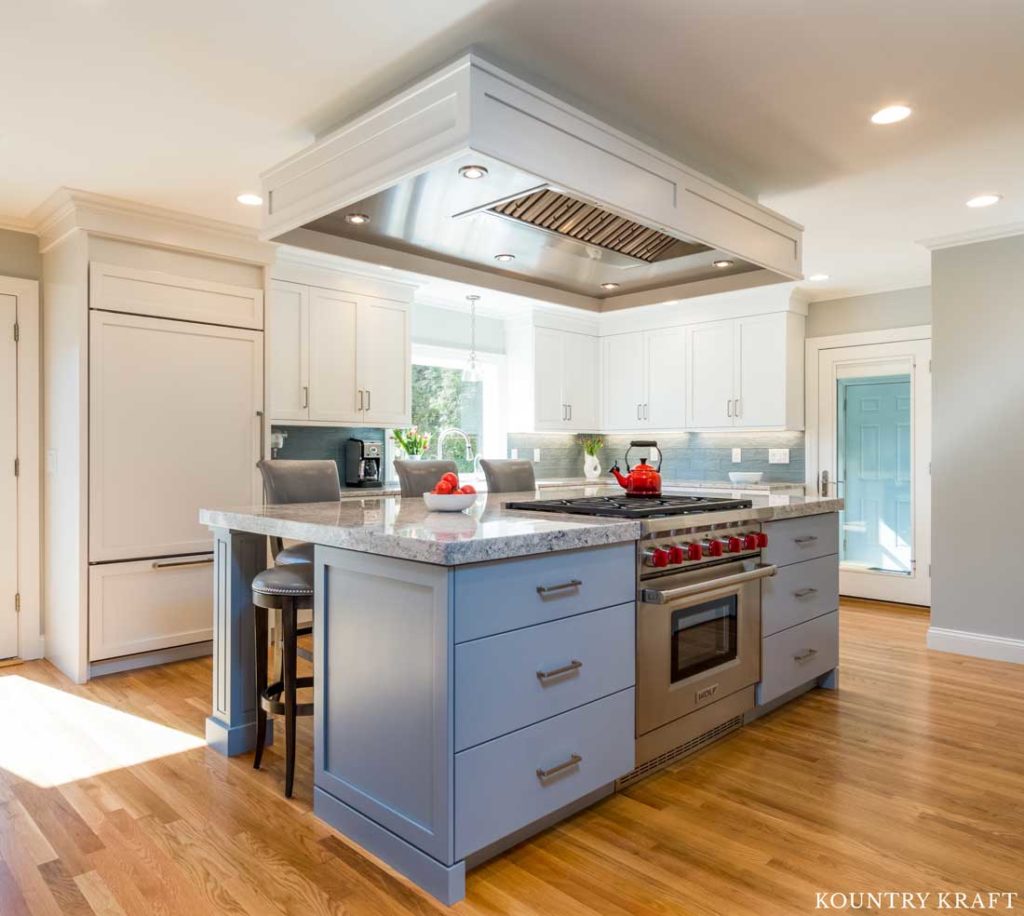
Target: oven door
x=698 y=639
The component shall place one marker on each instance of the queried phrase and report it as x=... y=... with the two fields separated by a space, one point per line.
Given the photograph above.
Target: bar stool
x=287 y=586
x=508 y=475
x=416 y=477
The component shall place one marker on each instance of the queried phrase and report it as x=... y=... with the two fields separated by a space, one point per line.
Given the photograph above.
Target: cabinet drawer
x=497 y=785
x=796 y=539
x=506 y=595
x=497 y=687
x=796 y=655
x=144 y=605
x=799 y=592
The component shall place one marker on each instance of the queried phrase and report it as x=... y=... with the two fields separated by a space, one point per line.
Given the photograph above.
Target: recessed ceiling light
x=609 y=286
x=818 y=278
x=722 y=262
x=984 y=200
x=356 y=219
x=473 y=171
x=504 y=257
x=891 y=114
x=250 y=200
x=385 y=267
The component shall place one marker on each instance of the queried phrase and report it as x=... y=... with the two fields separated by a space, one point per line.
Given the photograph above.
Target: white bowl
x=746 y=476
x=449 y=502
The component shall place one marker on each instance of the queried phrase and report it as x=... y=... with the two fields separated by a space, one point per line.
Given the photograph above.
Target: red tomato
x=468 y=489
x=453 y=479
x=443 y=487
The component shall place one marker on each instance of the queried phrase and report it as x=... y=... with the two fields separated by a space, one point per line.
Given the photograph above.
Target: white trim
x=69 y=209
x=30 y=641
x=978 y=645
x=987 y=234
x=12 y=224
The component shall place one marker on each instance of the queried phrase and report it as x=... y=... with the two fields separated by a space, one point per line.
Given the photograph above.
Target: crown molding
x=13 y=224
x=972 y=236
x=70 y=209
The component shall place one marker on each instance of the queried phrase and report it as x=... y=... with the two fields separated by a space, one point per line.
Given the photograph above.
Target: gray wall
x=898 y=308
x=978 y=438
x=19 y=255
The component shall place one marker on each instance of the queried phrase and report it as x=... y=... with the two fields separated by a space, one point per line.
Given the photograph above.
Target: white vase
x=591 y=467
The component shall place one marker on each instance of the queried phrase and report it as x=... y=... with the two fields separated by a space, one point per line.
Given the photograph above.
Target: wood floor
x=911 y=777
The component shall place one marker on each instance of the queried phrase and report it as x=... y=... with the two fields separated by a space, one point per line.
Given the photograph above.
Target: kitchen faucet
x=455 y=431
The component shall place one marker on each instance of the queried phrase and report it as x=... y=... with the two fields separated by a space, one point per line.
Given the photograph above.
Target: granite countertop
x=405 y=529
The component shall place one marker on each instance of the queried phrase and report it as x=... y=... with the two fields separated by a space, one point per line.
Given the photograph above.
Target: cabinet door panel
x=579 y=380
x=711 y=374
x=384 y=362
x=665 y=359
x=288 y=352
x=622 y=377
x=332 y=356
x=548 y=358
x=761 y=370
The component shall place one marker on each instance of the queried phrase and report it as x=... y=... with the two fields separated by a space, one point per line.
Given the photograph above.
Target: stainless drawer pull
x=565 y=586
x=805 y=539
x=806 y=654
x=804 y=592
x=574 y=760
x=167 y=564
x=574 y=665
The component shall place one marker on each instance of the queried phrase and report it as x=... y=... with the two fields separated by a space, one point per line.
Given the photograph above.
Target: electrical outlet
x=536 y=454
x=778 y=456
x=514 y=453
x=737 y=455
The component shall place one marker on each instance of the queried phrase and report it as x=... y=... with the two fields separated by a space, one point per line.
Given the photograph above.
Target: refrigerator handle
x=263 y=433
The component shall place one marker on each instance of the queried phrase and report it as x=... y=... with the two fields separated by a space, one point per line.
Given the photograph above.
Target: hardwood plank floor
x=911 y=777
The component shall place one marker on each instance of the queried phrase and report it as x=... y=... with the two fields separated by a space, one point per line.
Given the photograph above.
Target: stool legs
x=260 y=617
x=289 y=613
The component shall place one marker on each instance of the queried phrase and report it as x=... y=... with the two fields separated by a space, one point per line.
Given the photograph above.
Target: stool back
x=297 y=481
x=508 y=475
x=417 y=477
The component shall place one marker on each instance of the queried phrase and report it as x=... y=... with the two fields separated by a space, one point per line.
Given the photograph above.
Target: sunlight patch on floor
x=52 y=737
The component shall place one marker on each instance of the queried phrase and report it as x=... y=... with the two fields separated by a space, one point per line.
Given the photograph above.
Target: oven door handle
x=655 y=596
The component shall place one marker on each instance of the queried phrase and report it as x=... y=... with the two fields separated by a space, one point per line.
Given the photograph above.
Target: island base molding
x=827 y=681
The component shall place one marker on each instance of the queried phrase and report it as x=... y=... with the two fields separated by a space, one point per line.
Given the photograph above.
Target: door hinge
x=17 y=332
x=17 y=602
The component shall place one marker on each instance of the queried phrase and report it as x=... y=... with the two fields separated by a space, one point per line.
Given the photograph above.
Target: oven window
x=703 y=637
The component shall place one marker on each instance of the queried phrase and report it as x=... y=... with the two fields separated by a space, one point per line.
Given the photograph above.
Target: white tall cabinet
x=338 y=350
x=153 y=403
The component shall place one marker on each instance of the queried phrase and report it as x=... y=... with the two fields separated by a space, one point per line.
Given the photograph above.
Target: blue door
x=874 y=462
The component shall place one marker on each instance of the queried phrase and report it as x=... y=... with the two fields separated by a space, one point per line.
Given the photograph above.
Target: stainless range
x=698 y=636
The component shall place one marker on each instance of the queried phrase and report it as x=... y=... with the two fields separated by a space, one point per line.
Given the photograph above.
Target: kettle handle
x=644 y=443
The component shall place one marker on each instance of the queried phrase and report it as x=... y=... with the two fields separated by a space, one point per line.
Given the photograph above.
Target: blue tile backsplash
x=687 y=456
x=321 y=442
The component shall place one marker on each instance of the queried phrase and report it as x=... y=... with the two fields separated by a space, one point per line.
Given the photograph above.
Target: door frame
x=813 y=348
x=26 y=292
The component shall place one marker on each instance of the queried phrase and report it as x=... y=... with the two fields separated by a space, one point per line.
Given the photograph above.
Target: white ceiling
x=184 y=104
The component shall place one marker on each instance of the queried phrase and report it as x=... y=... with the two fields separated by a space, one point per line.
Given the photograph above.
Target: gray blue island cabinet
x=456 y=706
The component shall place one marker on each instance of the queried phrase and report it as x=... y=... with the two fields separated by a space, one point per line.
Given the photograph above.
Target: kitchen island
x=475 y=672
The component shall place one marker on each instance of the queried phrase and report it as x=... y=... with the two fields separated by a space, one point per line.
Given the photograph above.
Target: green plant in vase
x=412 y=442
x=592 y=446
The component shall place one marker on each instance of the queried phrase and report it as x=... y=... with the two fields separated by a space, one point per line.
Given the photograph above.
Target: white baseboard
x=980 y=645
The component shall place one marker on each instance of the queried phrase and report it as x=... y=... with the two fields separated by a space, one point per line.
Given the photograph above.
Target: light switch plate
x=737 y=455
x=778 y=456
x=513 y=453
x=536 y=454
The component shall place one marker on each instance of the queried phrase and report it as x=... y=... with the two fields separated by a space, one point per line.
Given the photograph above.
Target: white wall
x=19 y=255
x=441 y=327
x=898 y=308
x=978 y=391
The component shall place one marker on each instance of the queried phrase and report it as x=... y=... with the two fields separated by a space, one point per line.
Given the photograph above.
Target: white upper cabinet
x=548 y=370
x=579 y=381
x=644 y=380
x=747 y=373
x=337 y=357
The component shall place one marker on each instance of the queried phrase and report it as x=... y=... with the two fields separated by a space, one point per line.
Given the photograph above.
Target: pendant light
x=471 y=373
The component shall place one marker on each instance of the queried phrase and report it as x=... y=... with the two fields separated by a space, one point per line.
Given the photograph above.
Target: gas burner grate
x=634 y=507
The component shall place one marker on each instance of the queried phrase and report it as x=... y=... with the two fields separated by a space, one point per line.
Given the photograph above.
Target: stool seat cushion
x=291 y=580
x=297 y=553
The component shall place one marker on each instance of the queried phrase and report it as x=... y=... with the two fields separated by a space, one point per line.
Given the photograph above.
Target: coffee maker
x=363 y=463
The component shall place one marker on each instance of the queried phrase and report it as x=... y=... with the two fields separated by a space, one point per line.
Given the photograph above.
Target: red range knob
x=762 y=539
x=676 y=554
x=693 y=552
x=750 y=542
x=713 y=548
x=733 y=544
x=657 y=557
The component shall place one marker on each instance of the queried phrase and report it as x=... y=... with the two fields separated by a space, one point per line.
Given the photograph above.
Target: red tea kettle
x=643 y=480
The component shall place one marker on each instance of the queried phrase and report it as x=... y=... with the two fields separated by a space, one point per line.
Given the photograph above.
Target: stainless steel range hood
x=475 y=175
